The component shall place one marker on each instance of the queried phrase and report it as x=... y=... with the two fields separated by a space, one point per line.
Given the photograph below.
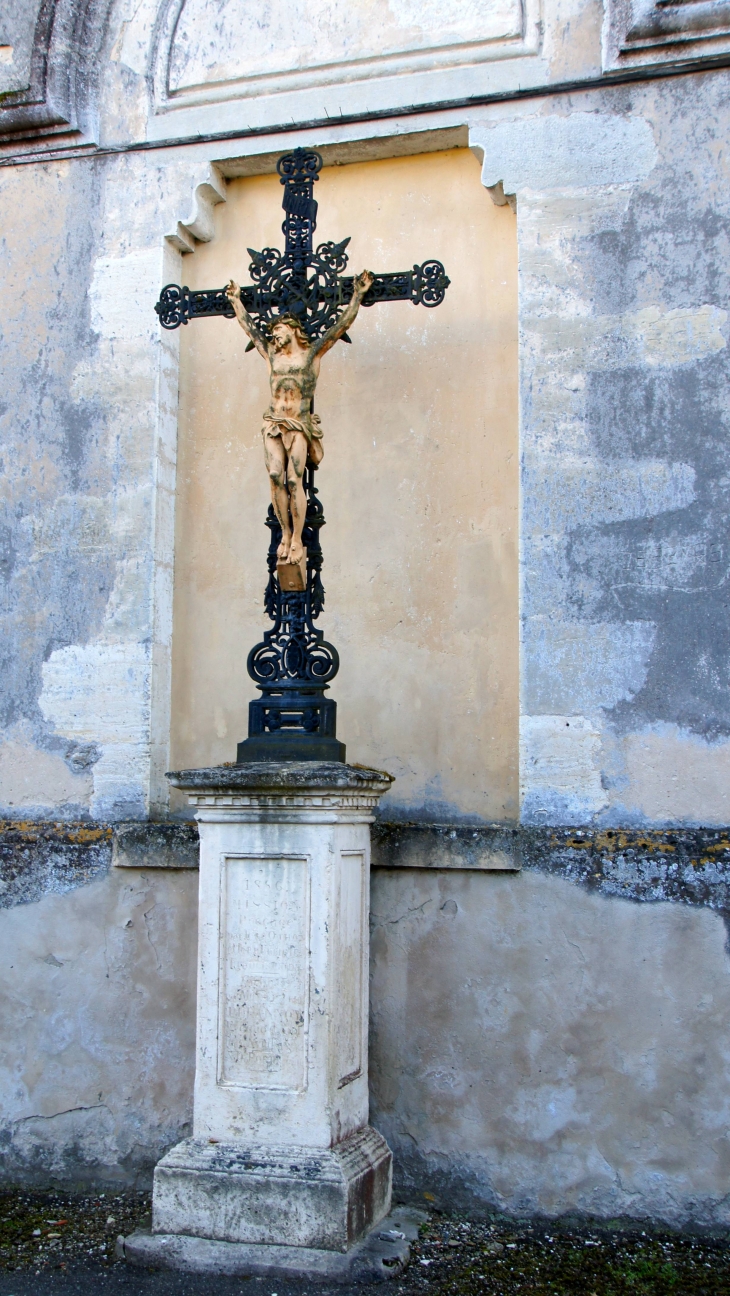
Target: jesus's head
x=288 y=329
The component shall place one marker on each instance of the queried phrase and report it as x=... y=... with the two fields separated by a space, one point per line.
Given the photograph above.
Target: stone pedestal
x=282 y=1155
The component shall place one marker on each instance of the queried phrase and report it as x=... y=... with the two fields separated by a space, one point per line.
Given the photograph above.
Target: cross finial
x=298 y=171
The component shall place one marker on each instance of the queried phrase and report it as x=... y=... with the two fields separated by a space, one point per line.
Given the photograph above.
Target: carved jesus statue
x=292 y=432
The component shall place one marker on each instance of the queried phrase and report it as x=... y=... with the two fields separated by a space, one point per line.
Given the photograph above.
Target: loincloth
x=286 y=428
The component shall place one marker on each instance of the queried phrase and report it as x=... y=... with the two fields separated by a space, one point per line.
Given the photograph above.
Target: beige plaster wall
x=419 y=484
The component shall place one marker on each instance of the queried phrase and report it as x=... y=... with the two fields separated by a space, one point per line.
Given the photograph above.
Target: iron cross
x=304 y=282
x=294 y=664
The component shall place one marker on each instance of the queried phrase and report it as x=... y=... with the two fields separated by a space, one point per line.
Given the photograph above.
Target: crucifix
x=283 y=1174
x=298 y=306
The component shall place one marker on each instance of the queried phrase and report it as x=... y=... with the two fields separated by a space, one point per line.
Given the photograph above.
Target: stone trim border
x=683 y=865
x=688 y=865
x=38 y=859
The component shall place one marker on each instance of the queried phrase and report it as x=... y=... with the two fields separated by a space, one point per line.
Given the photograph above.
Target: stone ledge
x=38 y=858
x=156 y=845
x=445 y=846
x=382 y=1254
x=686 y=865
x=282 y=777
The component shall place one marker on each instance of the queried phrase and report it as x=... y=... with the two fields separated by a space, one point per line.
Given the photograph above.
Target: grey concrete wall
x=552 y=1041
x=540 y=1049
x=97 y=1022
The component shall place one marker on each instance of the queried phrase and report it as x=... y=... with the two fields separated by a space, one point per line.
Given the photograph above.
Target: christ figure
x=292 y=432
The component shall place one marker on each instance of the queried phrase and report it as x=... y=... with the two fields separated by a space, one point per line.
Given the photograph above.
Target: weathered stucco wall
x=622 y=222
x=552 y=1041
x=97 y=1018
x=419 y=484
x=88 y=436
x=623 y=215
x=536 y=1048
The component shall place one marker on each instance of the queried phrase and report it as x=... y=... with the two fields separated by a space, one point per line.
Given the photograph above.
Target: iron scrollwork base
x=294 y=664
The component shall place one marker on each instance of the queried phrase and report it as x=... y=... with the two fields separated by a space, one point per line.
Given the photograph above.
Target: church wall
x=623 y=351
x=551 y=1041
x=548 y=1039
x=539 y=1049
x=97 y=1018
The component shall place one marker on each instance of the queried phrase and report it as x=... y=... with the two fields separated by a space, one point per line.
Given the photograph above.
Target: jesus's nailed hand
x=363 y=282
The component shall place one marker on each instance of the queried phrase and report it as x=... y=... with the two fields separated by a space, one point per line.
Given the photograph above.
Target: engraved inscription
x=264 y=973
x=350 y=913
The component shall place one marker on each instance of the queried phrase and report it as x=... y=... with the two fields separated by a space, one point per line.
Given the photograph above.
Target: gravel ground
x=56 y=1245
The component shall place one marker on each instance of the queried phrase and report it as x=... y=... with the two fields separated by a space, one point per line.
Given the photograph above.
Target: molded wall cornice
x=60 y=100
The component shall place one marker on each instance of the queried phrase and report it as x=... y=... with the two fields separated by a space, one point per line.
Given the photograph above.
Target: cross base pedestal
x=383 y=1253
x=282 y=1158
x=238 y=1192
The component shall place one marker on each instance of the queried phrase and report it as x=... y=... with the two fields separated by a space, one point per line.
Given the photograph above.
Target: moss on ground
x=49 y=1230
x=46 y=1232
x=464 y=1258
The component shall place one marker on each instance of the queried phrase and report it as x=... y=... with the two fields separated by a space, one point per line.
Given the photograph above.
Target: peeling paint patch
x=36 y=780
x=100 y=693
x=596 y=665
x=45 y=1139
x=677 y=777
x=123 y=292
x=563 y=492
x=560 y=779
x=653 y=336
x=678 y=337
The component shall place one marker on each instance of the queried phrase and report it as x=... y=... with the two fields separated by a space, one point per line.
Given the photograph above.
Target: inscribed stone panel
x=264 y=973
x=242 y=41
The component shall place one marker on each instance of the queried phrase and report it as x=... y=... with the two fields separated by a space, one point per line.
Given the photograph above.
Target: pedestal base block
x=383 y=1253
x=295 y=1197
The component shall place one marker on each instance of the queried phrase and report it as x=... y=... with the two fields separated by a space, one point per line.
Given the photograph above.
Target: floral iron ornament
x=299 y=306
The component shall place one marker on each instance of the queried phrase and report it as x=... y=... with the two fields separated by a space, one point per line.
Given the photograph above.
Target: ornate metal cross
x=301 y=282
x=293 y=665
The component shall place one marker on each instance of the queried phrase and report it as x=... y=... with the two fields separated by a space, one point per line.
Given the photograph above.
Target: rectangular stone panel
x=263 y=1006
x=350 y=971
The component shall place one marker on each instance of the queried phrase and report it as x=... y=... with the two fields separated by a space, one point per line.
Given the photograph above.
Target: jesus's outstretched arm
x=233 y=293
x=361 y=284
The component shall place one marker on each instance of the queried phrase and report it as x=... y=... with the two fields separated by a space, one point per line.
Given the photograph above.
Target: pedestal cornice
x=302 y=791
